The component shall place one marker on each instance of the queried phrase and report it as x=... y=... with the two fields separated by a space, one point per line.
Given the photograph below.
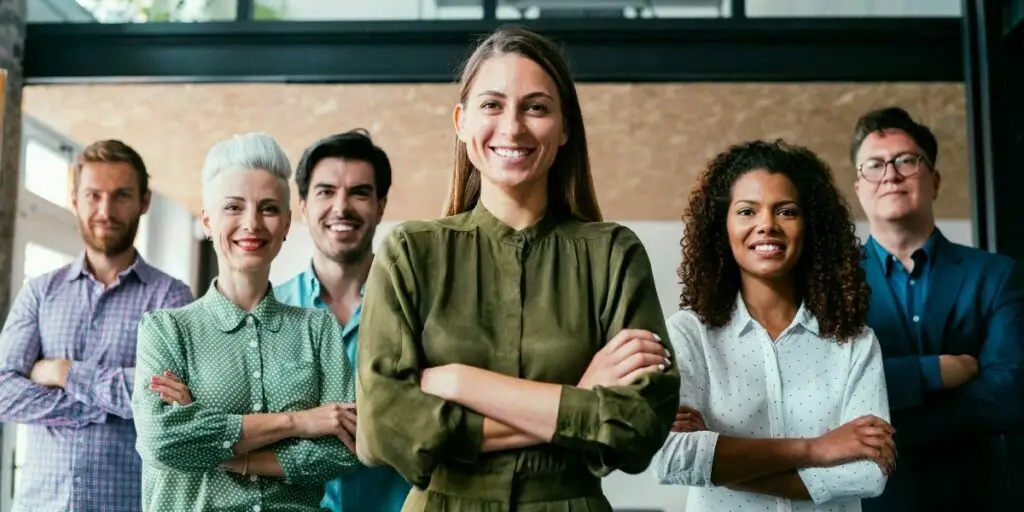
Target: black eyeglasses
x=906 y=165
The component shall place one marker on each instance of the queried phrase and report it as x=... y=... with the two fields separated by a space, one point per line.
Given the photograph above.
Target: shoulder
x=417 y=235
x=310 y=319
x=612 y=233
x=47 y=283
x=862 y=346
x=988 y=263
x=686 y=329
x=289 y=292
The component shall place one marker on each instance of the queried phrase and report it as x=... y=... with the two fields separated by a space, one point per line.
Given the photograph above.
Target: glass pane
x=40 y=259
x=130 y=11
x=310 y=10
x=46 y=173
x=853 y=8
x=533 y=9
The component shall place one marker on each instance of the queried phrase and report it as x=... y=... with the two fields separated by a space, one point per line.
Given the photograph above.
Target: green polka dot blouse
x=278 y=358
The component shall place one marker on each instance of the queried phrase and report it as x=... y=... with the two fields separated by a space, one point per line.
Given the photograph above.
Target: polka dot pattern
x=745 y=384
x=277 y=358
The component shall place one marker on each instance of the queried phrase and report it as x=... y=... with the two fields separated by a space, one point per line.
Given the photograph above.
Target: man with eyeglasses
x=950 y=320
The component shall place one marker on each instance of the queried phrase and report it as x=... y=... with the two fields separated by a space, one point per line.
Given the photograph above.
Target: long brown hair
x=570 y=185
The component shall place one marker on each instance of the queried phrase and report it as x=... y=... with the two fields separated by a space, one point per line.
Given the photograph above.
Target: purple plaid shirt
x=82 y=438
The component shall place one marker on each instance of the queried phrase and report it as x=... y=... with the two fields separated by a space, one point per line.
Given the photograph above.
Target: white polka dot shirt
x=746 y=385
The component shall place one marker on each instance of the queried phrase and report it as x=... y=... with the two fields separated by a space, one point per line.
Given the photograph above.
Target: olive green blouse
x=278 y=358
x=536 y=304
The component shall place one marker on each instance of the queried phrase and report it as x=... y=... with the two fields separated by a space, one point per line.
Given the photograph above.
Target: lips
x=768 y=247
x=344 y=226
x=512 y=153
x=250 y=244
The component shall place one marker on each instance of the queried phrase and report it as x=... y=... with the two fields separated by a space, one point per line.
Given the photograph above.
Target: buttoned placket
x=254 y=364
x=773 y=383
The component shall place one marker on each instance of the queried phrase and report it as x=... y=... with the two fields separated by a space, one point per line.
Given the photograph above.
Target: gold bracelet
x=245 y=470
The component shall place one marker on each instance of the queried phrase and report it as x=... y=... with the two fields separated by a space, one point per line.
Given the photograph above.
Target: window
x=46 y=173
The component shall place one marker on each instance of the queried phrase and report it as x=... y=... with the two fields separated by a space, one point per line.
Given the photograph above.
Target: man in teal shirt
x=343 y=183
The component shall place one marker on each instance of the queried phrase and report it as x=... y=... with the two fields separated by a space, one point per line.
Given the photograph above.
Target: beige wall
x=648 y=142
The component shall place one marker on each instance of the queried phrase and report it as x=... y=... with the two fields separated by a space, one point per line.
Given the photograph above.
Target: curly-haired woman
x=783 y=399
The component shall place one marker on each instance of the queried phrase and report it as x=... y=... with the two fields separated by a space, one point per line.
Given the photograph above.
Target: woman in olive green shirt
x=484 y=376
x=235 y=403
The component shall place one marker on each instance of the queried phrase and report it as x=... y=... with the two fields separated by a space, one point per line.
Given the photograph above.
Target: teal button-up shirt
x=378 y=488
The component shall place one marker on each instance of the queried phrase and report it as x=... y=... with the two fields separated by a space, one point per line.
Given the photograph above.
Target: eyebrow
x=776 y=204
x=128 y=190
x=242 y=199
x=534 y=94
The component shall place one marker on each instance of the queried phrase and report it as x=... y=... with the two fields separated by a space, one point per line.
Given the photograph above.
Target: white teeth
x=250 y=245
x=512 y=153
x=341 y=228
x=767 y=248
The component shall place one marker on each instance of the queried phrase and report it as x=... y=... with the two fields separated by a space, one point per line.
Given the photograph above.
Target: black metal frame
x=625 y=50
x=994 y=64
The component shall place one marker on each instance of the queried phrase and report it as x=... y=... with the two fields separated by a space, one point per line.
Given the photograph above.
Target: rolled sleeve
x=687 y=458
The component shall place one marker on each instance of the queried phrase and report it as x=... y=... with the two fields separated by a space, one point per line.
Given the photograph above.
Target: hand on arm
x=957 y=370
x=629 y=355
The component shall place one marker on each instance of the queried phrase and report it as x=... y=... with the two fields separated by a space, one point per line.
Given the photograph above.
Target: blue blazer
x=949 y=442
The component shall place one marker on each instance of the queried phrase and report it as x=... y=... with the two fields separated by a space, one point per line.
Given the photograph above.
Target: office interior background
x=664 y=85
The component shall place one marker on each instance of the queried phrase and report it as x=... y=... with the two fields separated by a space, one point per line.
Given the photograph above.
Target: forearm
x=499 y=437
x=738 y=459
x=260 y=462
x=260 y=430
x=527 y=406
x=106 y=388
x=786 y=484
x=23 y=401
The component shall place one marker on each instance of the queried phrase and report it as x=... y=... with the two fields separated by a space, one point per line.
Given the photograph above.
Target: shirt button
x=256 y=508
x=911 y=282
x=256 y=406
x=253 y=344
x=253 y=478
x=256 y=374
x=917 y=319
x=227 y=444
x=248 y=320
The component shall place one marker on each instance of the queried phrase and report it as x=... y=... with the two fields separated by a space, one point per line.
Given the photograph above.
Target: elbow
x=173 y=456
x=874 y=484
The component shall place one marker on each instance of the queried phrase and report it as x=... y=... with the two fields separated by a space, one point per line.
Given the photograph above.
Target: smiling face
x=109 y=205
x=511 y=122
x=343 y=209
x=765 y=225
x=247 y=218
x=895 y=197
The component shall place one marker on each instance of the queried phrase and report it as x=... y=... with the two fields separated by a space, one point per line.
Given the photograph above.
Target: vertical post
x=738 y=8
x=490 y=10
x=245 y=10
x=12 y=42
x=979 y=122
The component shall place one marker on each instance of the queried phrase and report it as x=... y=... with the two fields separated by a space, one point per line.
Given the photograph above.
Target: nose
x=340 y=202
x=767 y=223
x=252 y=220
x=890 y=174
x=103 y=207
x=510 y=123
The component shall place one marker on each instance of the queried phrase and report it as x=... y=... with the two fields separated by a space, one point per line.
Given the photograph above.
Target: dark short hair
x=894 y=118
x=351 y=145
x=114 y=152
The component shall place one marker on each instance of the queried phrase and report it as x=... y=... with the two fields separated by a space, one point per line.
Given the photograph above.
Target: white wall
x=167 y=240
x=662 y=242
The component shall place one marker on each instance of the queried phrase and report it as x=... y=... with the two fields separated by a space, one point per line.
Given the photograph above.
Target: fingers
x=687 y=426
x=176 y=385
x=874 y=421
x=632 y=376
x=626 y=335
x=348 y=440
x=637 y=361
x=348 y=421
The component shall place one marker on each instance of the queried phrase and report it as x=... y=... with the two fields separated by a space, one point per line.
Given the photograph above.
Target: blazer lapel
x=885 y=316
x=946 y=277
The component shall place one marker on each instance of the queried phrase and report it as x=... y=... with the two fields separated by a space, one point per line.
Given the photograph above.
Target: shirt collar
x=312 y=282
x=741 y=320
x=926 y=254
x=139 y=268
x=489 y=224
x=229 y=316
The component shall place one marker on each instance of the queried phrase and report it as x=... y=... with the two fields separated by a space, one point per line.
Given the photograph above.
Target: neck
x=771 y=303
x=105 y=268
x=341 y=280
x=901 y=239
x=243 y=289
x=516 y=209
